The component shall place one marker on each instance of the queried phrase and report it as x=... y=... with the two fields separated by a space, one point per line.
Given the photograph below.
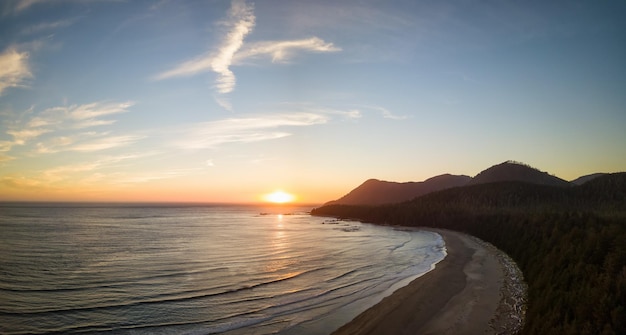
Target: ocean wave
x=193 y=270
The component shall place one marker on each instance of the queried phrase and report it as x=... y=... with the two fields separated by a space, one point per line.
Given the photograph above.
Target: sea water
x=191 y=269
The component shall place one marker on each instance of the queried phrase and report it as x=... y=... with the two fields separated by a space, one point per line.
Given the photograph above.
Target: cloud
x=96 y=109
x=62 y=119
x=69 y=171
x=62 y=172
x=46 y=26
x=387 y=114
x=22 y=5
x=21 y=136
x=93 y=123
x=147 y=177
x=224 y=103
x=80 y=144
x=105 y=143
x=350 y=113
x=6 y=158
x=354 y=114
x=281 y=51
x=309 y=108
x=6 y=146
x=83 y=172
x=246 y=130
x=232 y=51
x=241 y=21
x=14 y=68
x=20 y=182
x=53 y=144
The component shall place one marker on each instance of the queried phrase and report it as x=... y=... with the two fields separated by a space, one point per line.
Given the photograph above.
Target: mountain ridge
x=516 y=171
x=379 y=192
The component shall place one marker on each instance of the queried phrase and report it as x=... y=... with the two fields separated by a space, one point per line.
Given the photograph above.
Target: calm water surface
x=196 y=269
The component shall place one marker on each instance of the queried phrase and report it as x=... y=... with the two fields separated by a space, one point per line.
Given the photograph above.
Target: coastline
x=475 y=289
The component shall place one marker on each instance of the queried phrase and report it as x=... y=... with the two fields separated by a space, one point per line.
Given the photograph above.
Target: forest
x=570 y=243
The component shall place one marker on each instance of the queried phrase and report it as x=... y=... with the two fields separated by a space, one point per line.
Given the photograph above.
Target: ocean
x=196 y=269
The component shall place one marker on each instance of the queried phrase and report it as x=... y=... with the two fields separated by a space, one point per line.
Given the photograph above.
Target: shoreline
x=475 y=289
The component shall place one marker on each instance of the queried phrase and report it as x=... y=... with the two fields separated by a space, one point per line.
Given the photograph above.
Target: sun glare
x=279 y=197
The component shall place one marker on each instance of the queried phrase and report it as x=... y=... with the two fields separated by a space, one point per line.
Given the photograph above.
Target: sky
x=225 y=101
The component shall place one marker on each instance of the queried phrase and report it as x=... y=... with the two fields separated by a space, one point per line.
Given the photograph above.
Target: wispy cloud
x=20 y=182
x=62 y=172
x=22 y=5
x=349 y=113
x=21 y=136
x=282 y=51
x=68 y=118
x=233 y=51
x=6 y=146
x=251 y=129
x=388 y=115
x=86 y=172
x=85 y=143
x=14 y=69
x=6 y=158
x=105 y=143
x=97 y=109
x=240 y=22
x=47 y=26
x=156 y=175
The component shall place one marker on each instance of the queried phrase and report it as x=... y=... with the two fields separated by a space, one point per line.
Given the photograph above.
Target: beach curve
x=475 y=289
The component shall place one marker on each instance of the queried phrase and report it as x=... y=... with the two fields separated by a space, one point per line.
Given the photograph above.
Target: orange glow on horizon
x=279 y=197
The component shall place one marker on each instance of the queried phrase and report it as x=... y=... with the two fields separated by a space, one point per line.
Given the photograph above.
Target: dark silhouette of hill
x=583 y=179
x=603 y=195
x=377 y=192
x=514 y=171
x=570 y=243
x=606 y=193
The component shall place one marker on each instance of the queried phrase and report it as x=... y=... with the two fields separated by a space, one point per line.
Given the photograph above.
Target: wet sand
x=462 y=295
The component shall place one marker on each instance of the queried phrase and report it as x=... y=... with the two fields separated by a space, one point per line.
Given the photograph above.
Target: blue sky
x=228 y=100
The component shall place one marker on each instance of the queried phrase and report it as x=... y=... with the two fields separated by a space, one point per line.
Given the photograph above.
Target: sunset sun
x=279 y=197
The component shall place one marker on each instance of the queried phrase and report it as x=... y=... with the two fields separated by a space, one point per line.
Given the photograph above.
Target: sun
x=279 y=197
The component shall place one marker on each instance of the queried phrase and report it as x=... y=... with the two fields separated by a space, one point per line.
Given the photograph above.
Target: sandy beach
x=469 y=292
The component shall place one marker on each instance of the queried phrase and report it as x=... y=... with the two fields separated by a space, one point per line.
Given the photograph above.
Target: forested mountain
x=515 y=171
x=583 y=179
x=376 y=192
x=570 y=242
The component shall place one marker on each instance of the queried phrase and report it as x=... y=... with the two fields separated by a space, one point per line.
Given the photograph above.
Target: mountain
x=514 y=171
x=378 y=192
x=584 y=179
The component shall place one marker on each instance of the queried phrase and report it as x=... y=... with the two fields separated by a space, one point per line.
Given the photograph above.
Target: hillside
x=377 y=192
x=583 y=179
x=570 y=243
x=514 y=171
